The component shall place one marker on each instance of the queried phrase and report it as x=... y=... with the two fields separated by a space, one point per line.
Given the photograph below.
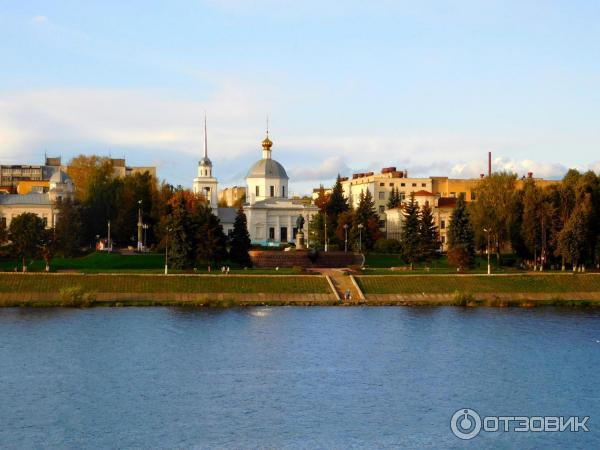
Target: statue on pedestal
x=299 y=234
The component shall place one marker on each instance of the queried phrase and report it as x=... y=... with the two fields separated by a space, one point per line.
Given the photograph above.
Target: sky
x=349 y=86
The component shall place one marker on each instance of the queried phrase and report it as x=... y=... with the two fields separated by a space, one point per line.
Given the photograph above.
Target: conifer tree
x=209 y=238
x=240 y=240
x=394 y=201
x=181 y=236
x=69 y=227
x=428 y=234
x=366 y=215
x=337 y=203
x=461 y=247
x=410 y=233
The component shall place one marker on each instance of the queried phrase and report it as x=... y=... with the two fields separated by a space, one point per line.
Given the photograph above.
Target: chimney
x=529 y=174
x=481 y=175
x=489 y=164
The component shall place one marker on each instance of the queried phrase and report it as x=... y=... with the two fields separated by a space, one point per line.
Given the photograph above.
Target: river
x=293 y=377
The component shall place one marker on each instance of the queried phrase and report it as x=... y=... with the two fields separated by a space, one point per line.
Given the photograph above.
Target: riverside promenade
x=327 y=287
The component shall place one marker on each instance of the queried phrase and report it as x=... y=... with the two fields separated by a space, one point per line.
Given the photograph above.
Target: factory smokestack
x=489 y=164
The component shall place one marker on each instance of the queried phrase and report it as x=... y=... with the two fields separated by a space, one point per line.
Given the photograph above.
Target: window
x=414 y=184
x=423 y=185
x=294 y=232
x=257 y=191
x=443 y=239
x=381 y=209
x=391 y=184
x=381 y=184
x=473 y=196
x=271 y=233
x=453 y=194
x=283 y=191
x=402 y=184
x=382 y=196
x=382 y=224
x=284 y=236
x=443 y=225
x=272 y=191
x=402 y=195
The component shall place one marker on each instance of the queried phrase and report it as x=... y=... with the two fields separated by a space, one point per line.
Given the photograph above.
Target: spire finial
x=205 y=138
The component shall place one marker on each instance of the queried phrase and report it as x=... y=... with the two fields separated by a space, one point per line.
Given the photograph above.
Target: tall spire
x=267 y=125
x=205 y=138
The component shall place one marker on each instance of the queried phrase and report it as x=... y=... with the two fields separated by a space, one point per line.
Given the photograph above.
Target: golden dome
x=266 y=143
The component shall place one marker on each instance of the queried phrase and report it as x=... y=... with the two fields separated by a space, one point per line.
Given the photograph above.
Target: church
x=270 y=213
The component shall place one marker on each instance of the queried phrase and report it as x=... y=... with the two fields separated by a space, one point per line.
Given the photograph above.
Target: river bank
x=79 y=290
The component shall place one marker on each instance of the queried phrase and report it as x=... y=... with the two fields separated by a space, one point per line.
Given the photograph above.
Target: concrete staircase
x=343 y=283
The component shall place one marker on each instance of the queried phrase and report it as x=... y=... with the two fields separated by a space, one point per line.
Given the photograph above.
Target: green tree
x=27 y=235
x=410 y=236
x=461 y=248
x=181 y=236
x=495 y=210
x=337 y=203
x=68 y=228
x=210 y=241
x=573 y=238
x=395 y=200
x=366 y=215
x=428 y=234
x=316 y=230
x=240 y=240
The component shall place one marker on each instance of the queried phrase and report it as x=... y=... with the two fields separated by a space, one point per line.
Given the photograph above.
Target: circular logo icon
x=465 y=424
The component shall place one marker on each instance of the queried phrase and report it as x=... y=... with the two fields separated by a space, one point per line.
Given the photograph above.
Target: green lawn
x=380 y=264
x=101 y=262
x=157 y=283
x=432 y=284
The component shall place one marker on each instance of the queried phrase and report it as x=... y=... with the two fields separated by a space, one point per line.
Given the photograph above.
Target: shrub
x=76 y=296
x=463 y=298
x=387 y=246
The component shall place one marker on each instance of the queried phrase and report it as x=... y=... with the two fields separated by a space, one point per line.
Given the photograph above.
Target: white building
x=271 y=215
x=41 y=204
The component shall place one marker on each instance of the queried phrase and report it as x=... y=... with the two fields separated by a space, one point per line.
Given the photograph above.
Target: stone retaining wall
x=299 y=258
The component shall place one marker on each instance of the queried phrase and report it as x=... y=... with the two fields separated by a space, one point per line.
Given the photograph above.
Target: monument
x=300 y=233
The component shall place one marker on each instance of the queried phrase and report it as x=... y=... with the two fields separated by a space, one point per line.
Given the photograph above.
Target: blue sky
x=349 y=86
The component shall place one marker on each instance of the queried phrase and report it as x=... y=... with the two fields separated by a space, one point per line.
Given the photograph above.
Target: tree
x=316 y=230
x=428 y=234
x=337 y=203
x=494 y=209
x=395 y=200
x=344 y=228
x=573 y=238
x=461 y=249
x=68 y=228
x=410 y=232
x=181 y=236
x=322 y=199
x=240 y=240
x=209 y=237
x=366 y=216
x=26 y=234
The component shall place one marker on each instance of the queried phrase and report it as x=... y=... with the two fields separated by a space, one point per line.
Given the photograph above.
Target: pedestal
x=300 y=241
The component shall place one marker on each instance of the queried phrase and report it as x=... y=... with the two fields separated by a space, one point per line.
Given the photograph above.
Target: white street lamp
x=360 y=227
x=345 y=238
x=489 y=268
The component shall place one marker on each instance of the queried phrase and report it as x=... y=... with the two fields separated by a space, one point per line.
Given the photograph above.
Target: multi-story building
x=232 y=196
x=24 y=178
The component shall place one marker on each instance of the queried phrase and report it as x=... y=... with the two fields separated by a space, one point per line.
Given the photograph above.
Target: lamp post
x=360 y=227
x=167 y=252
x=325 y=231
x=489 y=268
x=345 y=238
x=140 y=245
x=109 y=243
x=145 y=230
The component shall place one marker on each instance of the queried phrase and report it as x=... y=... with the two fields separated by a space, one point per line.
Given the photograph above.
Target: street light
x=145 y=229
x=167 y=252
x=360 y=227
x=109 y=243
x=140 y=245
x=487 y=230
x=325 y=231
x=346 y=238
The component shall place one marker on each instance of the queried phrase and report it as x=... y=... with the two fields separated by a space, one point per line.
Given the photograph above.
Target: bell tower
x=205 y=184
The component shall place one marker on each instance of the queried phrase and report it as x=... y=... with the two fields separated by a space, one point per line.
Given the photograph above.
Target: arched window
x=283 y=191
x=272 y=191
x=257 y=191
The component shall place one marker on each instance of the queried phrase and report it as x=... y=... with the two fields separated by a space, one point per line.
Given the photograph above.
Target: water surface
x=292 y=377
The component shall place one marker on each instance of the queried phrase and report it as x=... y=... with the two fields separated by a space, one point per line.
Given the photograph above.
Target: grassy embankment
x=101 y=262
x=213 y=290
x=466 y=288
